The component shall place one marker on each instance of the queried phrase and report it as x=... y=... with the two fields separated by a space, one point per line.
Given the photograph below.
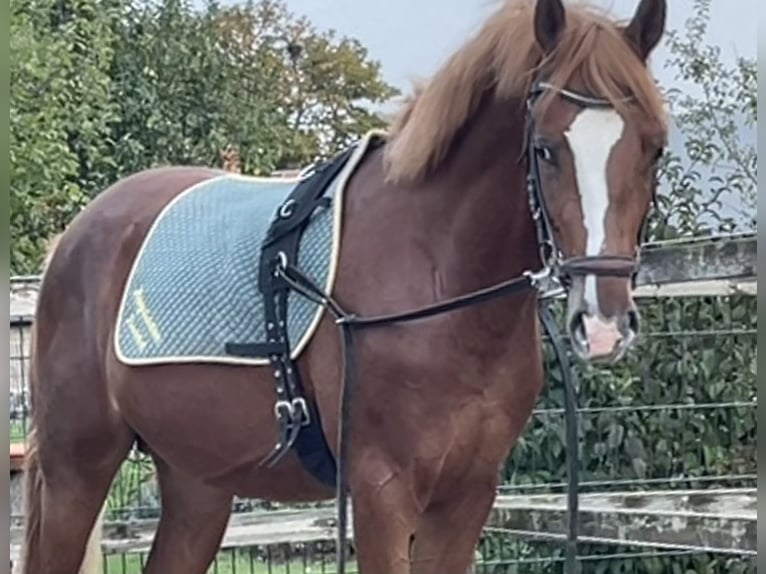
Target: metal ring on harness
x=281 y=263
x=287 y=209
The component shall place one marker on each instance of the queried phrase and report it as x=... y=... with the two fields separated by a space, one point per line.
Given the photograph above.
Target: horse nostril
x=577 y=329
x=576 y=322
x=634 y=321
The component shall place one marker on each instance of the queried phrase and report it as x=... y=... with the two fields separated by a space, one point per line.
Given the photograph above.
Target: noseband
x=556 y=266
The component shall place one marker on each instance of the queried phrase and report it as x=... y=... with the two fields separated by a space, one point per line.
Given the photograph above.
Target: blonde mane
x=504 y=56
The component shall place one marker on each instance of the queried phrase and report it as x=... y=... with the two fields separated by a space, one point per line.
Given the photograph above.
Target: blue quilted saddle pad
x=194 y=284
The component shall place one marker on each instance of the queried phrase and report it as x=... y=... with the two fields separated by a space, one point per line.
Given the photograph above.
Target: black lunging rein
x=349 y=323
x=550 y=281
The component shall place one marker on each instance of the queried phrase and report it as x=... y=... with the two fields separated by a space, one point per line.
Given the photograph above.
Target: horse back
x=92 y=257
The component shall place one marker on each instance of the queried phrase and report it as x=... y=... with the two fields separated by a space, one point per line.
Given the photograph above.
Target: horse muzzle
x=596 y=337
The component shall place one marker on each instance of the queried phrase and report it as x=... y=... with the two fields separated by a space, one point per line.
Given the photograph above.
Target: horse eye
x=544 y=153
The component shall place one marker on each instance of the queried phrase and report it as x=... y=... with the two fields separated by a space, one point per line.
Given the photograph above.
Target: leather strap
x=601 y=266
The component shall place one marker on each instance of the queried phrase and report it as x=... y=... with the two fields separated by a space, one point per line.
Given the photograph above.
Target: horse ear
x=550 y=19
x=646 y=28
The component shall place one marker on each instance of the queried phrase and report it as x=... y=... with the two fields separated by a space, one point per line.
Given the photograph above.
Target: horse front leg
x=384 y=517
x=448 y=531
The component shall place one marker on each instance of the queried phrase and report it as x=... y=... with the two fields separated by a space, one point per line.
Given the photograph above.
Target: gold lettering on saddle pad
x=138 y=338
x=146 y=318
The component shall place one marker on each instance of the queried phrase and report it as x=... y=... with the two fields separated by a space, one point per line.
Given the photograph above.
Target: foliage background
x=103 y=88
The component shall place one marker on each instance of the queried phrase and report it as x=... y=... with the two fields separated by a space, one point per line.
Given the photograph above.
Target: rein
x=349 y=323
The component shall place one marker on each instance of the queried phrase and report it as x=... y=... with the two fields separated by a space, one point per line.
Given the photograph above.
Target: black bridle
x=552 y=279
x=562 y=268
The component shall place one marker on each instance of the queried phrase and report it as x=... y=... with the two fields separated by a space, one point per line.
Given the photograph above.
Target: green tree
x=104 y=88
x=183 y=95
x=60 y=116
x=711 y=181
x=324 y=86
x=252 y=79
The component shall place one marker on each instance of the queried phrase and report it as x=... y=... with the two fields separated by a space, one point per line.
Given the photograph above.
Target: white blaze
x=591 y=137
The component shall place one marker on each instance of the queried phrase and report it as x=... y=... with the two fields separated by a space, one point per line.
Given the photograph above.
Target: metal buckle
x=283 y=407
x=545 y=281
x=547 y=257
x=295 y=411
x=301 y=414
x=537 y=277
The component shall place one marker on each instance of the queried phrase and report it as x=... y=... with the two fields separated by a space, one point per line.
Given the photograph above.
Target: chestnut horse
x=545 y=99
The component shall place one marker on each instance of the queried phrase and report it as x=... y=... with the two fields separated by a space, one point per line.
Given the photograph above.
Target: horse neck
x=486 y=234
x=490 y=234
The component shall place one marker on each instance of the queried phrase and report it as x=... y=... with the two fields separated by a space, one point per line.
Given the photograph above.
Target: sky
x=411 y=38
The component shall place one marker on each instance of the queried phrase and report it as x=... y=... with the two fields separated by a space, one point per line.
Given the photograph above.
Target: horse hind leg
x=63 y=515
x=193 y=520
x=76 y=446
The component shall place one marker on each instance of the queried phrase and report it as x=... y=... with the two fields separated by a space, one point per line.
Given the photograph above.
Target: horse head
x=595 y=134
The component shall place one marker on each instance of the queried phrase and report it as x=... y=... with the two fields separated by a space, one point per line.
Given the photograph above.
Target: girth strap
x=297 y=416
